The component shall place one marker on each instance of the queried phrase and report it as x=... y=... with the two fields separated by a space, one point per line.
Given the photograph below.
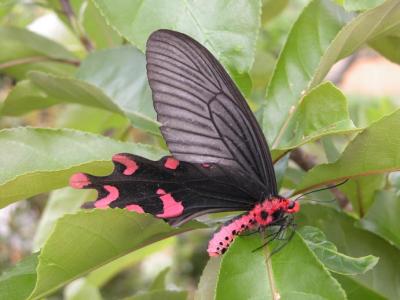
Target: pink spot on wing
x=205 y=165
x=171 y=207
x=113 y=195
x=79 y=181
x=135 y=207
x=130 y=165
x=171 y=163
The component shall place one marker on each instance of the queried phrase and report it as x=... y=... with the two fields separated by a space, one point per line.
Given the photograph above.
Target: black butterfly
x=221 y=161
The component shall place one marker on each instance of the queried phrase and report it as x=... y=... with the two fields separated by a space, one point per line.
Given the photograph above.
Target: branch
x=68 y=11
x=34 y=59
x=306 y=162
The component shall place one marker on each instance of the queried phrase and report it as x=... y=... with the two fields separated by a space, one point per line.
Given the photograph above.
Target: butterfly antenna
x=322 y=189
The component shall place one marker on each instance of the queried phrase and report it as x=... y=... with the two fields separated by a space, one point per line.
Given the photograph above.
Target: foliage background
x=73 y=92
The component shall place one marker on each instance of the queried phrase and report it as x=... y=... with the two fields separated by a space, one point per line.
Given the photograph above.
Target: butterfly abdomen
x=270 y=211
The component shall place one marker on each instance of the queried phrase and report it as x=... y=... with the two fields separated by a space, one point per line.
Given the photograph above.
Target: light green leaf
x=383 y=217
x=321 y=112
x=323 y=34
x=215 y=25
x=24 y=98
x=245 y=274
x=208 y=280
x=23 y=50
x=81 y=289
x=375 y=150
x=156 y=295
x=17 y=282
x=339 y=228
x=357 y=291
x=36 y=160
x=328 y=254
x=105 y=273
x=159 y=282
x=361 y=191
x=121 y=74
x=60 y=202
x=360 y=5
x=102 y=236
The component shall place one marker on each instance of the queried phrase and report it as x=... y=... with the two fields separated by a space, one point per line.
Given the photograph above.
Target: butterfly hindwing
x=204 y=117
x=166 y=188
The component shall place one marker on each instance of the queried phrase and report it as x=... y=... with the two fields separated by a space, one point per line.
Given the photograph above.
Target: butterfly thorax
x=269 y=212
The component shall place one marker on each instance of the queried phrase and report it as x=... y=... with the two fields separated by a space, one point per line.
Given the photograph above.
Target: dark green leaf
x=356 y=290
x=159 y=282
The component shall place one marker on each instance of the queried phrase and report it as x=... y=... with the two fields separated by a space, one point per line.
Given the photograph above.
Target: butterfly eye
x=291 y=204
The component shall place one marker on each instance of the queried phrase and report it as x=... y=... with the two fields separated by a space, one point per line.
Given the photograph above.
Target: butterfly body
x=220 y=159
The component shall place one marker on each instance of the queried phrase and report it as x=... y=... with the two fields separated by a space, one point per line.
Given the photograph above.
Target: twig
x=34 y=59
x=306 y=162
x=68 y=11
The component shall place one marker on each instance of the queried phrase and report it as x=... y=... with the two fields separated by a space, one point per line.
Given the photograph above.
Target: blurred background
x=370 y=82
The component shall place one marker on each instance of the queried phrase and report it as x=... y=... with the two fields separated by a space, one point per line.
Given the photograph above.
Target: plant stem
x=34 y=59
x=274 y=292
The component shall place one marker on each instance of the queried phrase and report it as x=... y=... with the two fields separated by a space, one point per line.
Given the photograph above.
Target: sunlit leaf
x=375 y=150
x=215 y=25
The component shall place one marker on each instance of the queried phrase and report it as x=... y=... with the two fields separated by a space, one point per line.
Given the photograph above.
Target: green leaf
x=274 y=275
x=23 y=50
x=355 y=290
x=121 y=74
x=105 y=273
x=328 y=254
x=102 y=236
x=388 y=45
x=375 y=150
x=339 y=228
x=60 y=202
x=321 y=112
x=17 y=282
x=361 y=191
x=309 y=54
x=383 y=217
x=159 y=282
x=156 y=295
x=208 y=280
x=36 y=160
x=24 y=98
x=271 y=9
x=106 y=81
x=215 y=25
x=360 y=5
x=81 y=289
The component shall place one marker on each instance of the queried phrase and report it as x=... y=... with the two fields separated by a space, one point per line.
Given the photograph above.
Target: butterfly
x=220 y=158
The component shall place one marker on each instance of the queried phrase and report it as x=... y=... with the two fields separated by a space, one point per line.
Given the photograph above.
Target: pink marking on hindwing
x=171 y=207
x=130 y=165
x=79 y=181
x=171 y=163
x=135 y=207
x=113 y=195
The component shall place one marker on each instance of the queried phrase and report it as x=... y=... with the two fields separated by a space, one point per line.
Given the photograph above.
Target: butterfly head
x=273 y=209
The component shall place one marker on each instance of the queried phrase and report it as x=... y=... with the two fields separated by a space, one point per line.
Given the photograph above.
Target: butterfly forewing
x=204 y=117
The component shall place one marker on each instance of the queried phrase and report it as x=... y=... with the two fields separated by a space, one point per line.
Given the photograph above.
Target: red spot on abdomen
x=79 y=181
x=113 y=195
x=135 y=207
x=171 y=163
x=130 y=165
x=171 y=207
